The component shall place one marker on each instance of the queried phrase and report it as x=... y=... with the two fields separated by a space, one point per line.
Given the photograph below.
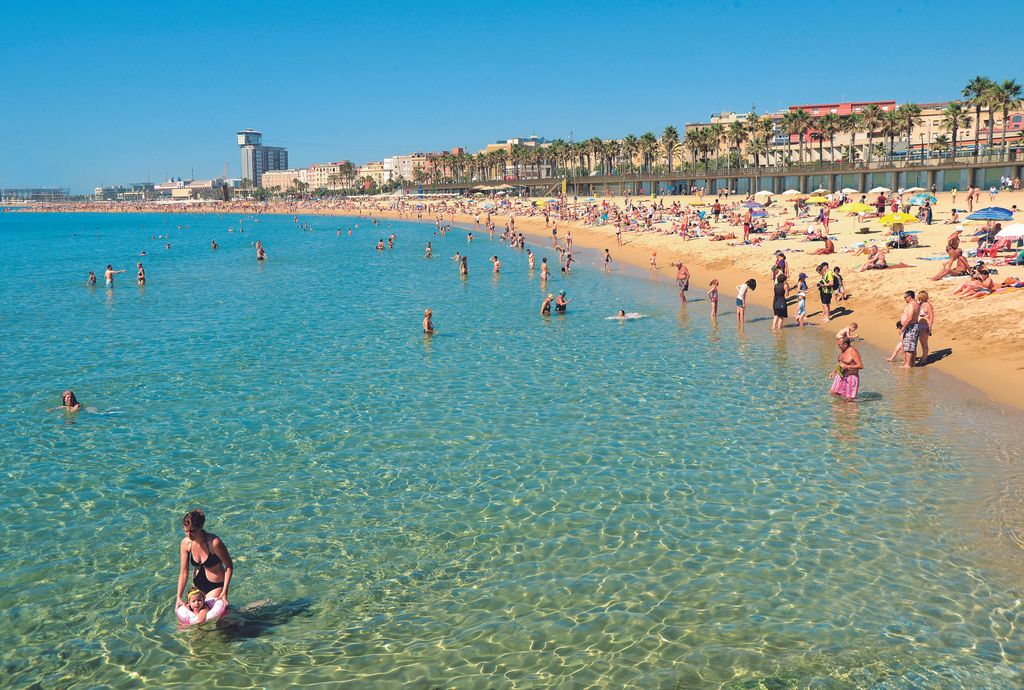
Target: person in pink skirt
x=846 y=375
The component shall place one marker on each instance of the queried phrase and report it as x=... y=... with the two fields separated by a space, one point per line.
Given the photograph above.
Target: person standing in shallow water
x=208 y=555
x=846 y=375
x=741 y=298
x=428 y=322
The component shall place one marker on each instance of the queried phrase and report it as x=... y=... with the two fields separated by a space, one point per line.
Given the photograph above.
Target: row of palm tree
x=755 y=139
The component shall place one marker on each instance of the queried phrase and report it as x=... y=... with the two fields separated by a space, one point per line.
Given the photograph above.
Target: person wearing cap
x=826 y=286
x=781 y=268
x=561 y=302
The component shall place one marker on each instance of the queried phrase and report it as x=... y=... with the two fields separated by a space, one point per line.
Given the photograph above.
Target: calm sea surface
x=517 y=502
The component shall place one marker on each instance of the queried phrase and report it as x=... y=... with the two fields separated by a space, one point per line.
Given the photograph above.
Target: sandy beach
x=974 y=340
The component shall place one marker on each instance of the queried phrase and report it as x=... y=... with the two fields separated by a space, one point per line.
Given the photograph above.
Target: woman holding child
x=208 y=555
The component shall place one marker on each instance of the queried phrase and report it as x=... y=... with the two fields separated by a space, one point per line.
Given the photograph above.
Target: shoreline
x=982 y=357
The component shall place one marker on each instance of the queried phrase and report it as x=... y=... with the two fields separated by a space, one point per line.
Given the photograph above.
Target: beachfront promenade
x=946 y=173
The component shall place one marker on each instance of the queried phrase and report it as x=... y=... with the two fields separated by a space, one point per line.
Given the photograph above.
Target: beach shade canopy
x=890 y=218
x=820 y=190
x=879 y=190
x=792 y=192
x=752 y=204
x=915 y=189
x=920 y=199
x=759 y=213
x=992 y=213
x=850 y=190
x=856 y=207
x=1012 y=232
x=817 y=200
x=764 y=192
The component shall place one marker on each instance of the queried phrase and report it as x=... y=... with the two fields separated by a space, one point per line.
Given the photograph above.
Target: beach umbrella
x=849 y=190
x=915 y=189
x=920 y=199
x=759 y=213
x=791 y=192
x=890 y=218
x=992 y=213
x=764 y=192
x=879 y=190
x=1012 y=232
x=752 y=204
x=856 y=207
x=817 y=200
x=820 y=190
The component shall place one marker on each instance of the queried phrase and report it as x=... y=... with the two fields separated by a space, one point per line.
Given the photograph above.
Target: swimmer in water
x=530 y=259
x=141 y=274
x=110 y=273
x=68 y=402
x=561 y=303
x=196 y=603
x=545 y=307
x=428 y=323
x=380 y=245
x=621 y=314
x=497 y=264
x=464 y=267
x=213 y=244
x=429 y=254
x=544 y=272
x=91 y=280
x=391 y=241
x=261 y=253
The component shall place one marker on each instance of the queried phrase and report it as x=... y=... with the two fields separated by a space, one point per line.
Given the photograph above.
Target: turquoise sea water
x=517 y=502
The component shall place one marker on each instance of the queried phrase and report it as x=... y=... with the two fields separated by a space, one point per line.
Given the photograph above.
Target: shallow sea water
x=516 y=502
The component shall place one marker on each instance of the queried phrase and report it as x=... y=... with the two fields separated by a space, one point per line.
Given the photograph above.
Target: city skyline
x=87 y=113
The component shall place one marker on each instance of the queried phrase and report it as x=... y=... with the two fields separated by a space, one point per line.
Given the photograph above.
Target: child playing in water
x=848 y=332
x=196 y=603
x=713 y=297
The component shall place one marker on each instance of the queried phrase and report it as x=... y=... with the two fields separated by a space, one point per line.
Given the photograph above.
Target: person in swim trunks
x=208 y=555
x=909 y=325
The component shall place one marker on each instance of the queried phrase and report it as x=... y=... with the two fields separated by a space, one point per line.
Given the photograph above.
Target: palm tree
x=738 y=133
x=691 y=142
x=649 y=149
x=802 y=122
x=910 y=117
x=630 y=147
x=501 y=157
x=594 y=152
x=873 y=117
x=852 y=124
x=976 y=94
x=892 y=126
x=941 y=143
x=763 y=131
x=610 y=151
x=1005 y=96
x=669 y=142
x=954 y=117
x=789 y=126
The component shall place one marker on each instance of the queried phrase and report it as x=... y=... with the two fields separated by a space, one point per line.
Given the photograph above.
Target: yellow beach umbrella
x=856 y=208
x=890 y=218
x=817 y=200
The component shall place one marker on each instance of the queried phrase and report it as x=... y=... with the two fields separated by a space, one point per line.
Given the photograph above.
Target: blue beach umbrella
x=992 y=213
x=752 y=204
x=920 y=199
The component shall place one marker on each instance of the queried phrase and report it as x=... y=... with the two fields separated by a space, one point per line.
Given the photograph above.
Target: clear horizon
x=125 y=94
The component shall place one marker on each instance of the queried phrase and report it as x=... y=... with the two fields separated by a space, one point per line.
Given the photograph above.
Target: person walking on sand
x=909 y=328
x=682 y=280
x=846 y=375
x=741 y=298
x=713 y=298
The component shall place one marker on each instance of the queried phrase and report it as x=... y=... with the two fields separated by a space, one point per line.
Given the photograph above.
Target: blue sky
x=111 y=93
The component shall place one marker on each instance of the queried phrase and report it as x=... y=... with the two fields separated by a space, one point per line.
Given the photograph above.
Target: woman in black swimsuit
x=208 y=555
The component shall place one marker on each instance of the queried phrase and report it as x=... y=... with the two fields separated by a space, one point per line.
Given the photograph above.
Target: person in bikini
x=208 y=555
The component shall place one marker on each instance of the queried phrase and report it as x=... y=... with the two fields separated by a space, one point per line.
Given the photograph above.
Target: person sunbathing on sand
x=829 y=248
x=983 y=285
x=956 y=266
x=876 y=260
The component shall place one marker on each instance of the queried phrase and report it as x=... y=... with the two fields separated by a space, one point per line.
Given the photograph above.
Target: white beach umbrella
x=791 y=192
x=764 y=192
x=1012 y=232
x=915 y=189
x=820 y=190
x=879 y=190
x=850 y=190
